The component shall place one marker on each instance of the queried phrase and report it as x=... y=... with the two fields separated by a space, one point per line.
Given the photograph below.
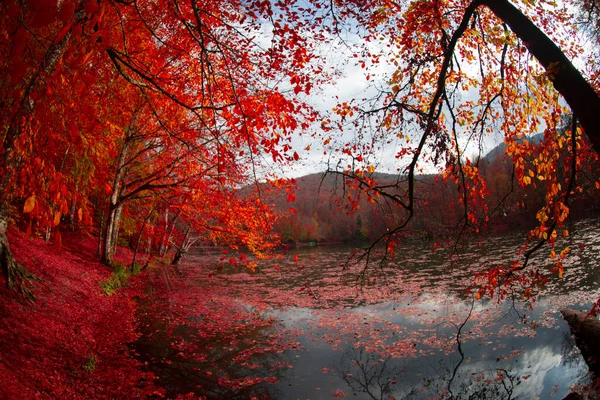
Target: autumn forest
x=249 y=199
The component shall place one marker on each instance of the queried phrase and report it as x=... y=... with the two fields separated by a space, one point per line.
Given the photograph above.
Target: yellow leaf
x=29 y=204
x=370 y=169
x=545 y=235
x=531 y=174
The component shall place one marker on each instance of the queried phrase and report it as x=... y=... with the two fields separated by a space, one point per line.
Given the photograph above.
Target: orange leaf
x=29 y=204
x=64 y=207
x=56 y=218
x=79 y=215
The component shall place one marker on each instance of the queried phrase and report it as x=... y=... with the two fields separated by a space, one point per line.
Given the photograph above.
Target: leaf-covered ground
x=72 y=342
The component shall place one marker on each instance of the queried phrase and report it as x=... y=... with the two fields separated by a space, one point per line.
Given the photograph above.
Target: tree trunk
x=139 y=238
x=183 y=249
x=579 y=94
x=100 y=237
x=164 y=244
x=12 y=270
x=110 y=234
x=111 y=229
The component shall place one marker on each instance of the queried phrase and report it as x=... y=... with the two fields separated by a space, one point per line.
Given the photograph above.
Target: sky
x=353 y=84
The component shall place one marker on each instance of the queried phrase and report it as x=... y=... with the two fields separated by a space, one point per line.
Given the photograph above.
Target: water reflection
x=502 y=358
x=213 y=359
x=395 y=336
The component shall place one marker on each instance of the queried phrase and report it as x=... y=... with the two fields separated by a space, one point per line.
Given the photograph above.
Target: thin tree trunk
x=100 y=237
x=110 y=235
x=73 y=211
x=115 y=230
x=164 y=245
x=183 y=249
x=111 y=231
x=139 y=238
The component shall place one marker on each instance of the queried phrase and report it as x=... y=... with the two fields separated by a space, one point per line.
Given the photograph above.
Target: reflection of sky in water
x=532 y=367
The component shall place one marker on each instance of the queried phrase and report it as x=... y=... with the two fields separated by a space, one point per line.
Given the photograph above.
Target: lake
x=313 y=324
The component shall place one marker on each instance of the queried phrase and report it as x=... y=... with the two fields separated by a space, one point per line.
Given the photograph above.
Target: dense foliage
x=150 y=124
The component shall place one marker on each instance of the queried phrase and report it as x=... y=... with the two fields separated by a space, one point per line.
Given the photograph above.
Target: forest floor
x=72 y=340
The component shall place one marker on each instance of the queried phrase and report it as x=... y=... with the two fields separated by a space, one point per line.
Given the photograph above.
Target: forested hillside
x=327 y=207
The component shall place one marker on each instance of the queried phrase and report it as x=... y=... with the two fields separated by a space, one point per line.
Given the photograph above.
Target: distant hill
x=326 y=208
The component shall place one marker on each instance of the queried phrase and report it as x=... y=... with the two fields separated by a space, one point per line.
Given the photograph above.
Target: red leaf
x=62 y=33
x=57 y=239
x=66 y=11
x=293 y=211
x=91 y=7
x=43 y=17
x=291 y=197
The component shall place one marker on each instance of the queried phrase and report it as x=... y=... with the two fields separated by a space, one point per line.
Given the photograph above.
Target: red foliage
x=72 y=342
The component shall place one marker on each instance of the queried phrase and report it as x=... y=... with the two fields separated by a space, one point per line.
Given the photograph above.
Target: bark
x=14 y=272
x=100 y=237
x=110 y=234
x=115 y=206
x=164 y=244
x=139 y=238
x=184 y=248
x=568 y=81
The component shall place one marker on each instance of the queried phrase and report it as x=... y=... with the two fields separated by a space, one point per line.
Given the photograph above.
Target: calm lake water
x=404 y=329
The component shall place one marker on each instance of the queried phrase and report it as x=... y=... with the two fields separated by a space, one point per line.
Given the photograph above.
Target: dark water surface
x=406 y=329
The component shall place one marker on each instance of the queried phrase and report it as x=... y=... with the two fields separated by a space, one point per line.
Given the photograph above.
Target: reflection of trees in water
x=225 y=365
x=571 y=356
x=569 y=351
x=381 y=379
x=368 y=373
